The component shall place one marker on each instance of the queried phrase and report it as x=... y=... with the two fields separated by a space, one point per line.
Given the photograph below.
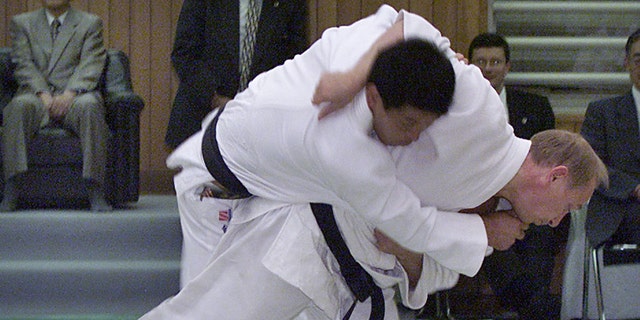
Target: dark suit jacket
x=611 y=127
x=206 y=53
x=529 y=113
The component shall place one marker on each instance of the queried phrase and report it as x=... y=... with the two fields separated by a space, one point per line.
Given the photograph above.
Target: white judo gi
x=464 y=158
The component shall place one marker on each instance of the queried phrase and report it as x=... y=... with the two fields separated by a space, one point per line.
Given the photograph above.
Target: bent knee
x=88 y=106
x=22 y=103
x=88 y=100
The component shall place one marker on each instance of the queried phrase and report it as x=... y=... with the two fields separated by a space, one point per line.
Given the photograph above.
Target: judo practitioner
x=279 y=277
x=297 y=79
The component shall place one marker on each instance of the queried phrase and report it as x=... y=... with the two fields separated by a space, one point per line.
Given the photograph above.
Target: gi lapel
x=67 y=30
x=42 y=36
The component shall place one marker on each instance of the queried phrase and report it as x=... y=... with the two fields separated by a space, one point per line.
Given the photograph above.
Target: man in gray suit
x=611 y=127
x=59 y=56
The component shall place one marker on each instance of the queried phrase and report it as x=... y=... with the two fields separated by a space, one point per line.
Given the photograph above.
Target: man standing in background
x=521 y=275
x=220 y=46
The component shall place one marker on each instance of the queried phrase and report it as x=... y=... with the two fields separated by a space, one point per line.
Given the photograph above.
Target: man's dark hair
x=490 y=40
x=415 y=73
x=635 y=36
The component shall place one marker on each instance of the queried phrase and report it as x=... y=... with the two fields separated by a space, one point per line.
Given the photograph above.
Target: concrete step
x=123 y=288
x=82 y=235
x=61 y=264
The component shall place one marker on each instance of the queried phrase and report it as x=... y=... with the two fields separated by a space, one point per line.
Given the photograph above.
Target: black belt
x=227 y=182
x=358 y=280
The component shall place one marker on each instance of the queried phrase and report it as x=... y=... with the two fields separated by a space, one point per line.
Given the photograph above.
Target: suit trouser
x=25 y=115
x=521 y=275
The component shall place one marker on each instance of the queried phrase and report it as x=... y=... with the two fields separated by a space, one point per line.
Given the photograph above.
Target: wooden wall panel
x=79 y=4
x=471 y=20
x=161 y=90
x=11 y=8
x=144 y=30
x=140 y=56
x=444 y=18
x=349 y=11
x=34 y=4
x=119 y=30
x=569 y=121
x=322 y=15
x=422 y=7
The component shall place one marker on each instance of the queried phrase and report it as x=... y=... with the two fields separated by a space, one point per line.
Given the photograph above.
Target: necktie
x=246 y=54
x=55 y=26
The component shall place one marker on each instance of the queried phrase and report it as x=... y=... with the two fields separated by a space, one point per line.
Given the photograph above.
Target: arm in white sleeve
x=456 y=241
x=434 y=277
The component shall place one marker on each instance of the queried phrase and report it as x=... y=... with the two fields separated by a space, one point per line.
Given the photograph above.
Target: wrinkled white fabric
x=460 y=161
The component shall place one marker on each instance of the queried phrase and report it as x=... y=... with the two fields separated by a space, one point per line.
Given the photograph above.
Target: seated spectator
x=59 y=56
x=611 y=127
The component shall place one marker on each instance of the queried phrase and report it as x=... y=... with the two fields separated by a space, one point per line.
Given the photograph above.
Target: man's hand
x=462 y=58
x=46 y=99
x=218 y=101
x=61 y=104
x=411 y=261
x=503 y=228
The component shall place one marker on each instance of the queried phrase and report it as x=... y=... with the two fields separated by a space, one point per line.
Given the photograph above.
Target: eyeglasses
x=491 y=63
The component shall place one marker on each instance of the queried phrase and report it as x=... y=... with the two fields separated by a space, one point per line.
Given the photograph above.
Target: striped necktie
x=55 y=29
x=246 y=54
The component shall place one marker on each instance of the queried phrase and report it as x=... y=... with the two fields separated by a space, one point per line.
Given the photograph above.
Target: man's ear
x=374 y=100
x=558 y=172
